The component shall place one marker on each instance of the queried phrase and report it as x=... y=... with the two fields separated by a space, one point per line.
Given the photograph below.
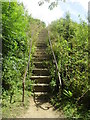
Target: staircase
x=40 y=73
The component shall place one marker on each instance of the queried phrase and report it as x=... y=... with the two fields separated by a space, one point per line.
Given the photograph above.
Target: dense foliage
x=70 y=44
x=14 y=44
x=18 y=28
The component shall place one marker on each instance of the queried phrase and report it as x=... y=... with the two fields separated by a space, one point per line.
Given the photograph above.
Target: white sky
x=46 y=15
x=84 y=3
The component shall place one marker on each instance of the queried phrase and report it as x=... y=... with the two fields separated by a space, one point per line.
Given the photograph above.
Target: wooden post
x=28 y=68
x=23 y=85
x=23 y=92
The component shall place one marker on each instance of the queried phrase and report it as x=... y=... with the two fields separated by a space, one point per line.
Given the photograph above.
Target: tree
x=52 y=4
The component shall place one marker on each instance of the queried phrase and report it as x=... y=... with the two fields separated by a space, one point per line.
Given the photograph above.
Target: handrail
x=55 y=61
x=26 y=69
x=23 y=83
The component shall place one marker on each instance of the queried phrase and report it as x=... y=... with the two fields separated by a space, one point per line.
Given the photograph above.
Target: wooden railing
x=54 y=57
x=27 y=68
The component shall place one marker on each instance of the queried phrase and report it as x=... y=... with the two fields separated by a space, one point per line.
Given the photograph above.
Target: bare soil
x=40 y=107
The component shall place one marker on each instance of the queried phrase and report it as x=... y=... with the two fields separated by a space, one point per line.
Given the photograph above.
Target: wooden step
x=40 y=93
x=40 y=50
x=45 y=81
x=41 y=78
x=41 y=39
x=41 y=43
x=40 y=72
x=41 y=87
x=41 y=64
x=41 y=56
x=39 y=96
x=41 y=34
x=41 y=47
x=40 y=59
x=40 y=53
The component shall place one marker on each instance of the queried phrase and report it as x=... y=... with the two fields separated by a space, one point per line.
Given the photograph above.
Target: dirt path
x=41 y=108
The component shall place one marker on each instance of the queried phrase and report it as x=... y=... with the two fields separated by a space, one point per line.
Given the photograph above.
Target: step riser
x=42 y=81
x=43 y=50
x=41 y=56
x=42 y=34
x=41 y=39
x=39 y=65
x=41 y=43
x=40 y=59
x=41 y=88
x=42 y=47
x=40 y=72
x=38 y=51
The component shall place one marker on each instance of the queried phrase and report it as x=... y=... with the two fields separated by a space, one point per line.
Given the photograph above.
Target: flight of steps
x=40 y=73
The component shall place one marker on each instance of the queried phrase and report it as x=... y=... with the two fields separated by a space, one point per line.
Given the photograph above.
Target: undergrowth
x=70 y=44
x=71 y=109
x=18 y=29
x=16 y=107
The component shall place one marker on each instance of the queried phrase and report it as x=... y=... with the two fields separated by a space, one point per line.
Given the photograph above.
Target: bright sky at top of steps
x=75 y=7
